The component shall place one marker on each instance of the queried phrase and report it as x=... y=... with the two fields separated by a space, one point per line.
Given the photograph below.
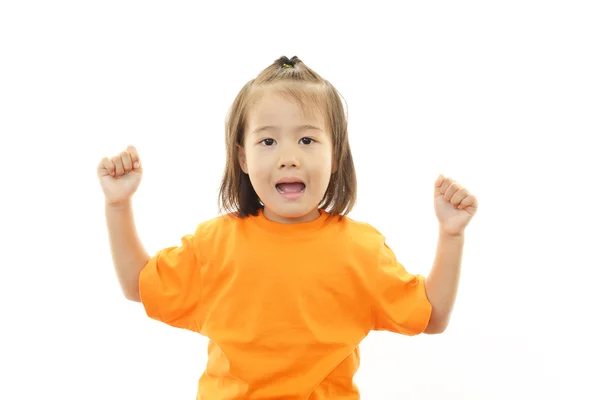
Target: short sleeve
x=400 y=301
x=171 y=284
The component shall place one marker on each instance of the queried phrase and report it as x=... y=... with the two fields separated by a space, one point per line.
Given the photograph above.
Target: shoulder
x=359 y=230
x=361 y=237
x=366 y=245
x=217 y=223
x=216 y=228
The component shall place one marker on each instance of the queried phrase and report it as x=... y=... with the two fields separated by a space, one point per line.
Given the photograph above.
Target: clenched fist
x=120 y=176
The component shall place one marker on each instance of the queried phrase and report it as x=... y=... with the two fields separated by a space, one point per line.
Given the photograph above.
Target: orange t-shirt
x=285 y=306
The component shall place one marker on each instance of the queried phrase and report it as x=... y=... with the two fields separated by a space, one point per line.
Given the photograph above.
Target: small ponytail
x=288 y=62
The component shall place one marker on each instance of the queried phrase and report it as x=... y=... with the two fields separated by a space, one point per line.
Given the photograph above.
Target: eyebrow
x=272 y=127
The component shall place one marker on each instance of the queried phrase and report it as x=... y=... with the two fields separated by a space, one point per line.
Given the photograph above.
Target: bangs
x=310 y=97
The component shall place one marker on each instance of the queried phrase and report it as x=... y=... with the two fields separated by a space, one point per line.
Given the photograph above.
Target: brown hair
x=293 y=77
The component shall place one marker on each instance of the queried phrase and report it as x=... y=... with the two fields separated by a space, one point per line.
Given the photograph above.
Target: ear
x=242 y=158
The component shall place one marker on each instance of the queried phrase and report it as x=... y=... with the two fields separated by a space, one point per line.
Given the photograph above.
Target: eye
x=268 y=142
x=306 y=140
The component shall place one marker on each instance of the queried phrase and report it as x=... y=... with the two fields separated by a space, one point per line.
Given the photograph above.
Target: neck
x=272 y=216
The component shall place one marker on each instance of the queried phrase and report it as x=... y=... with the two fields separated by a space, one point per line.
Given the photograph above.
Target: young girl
x=283 y=283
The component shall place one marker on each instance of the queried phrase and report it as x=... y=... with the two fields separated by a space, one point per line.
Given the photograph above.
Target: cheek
x=256 y=163
x=323 y=169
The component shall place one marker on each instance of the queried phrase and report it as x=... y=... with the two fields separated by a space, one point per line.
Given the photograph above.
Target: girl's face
x=288 y=157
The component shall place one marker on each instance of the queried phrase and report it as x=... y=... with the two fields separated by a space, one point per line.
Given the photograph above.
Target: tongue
x=291 y=187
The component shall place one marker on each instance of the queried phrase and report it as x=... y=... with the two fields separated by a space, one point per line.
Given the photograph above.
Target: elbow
x=131 y=289
x=134 y=298
x=435 y=329
x=436 y=326
x=132 y=295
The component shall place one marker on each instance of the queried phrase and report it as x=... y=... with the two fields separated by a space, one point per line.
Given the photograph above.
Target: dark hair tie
x=287 y=62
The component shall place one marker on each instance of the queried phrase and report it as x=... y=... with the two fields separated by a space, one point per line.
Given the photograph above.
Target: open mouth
x=290 y=186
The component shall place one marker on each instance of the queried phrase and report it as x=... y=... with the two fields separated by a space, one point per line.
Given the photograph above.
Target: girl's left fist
x=454 y=205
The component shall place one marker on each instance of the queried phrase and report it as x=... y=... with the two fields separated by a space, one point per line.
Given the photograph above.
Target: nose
x=288 y=159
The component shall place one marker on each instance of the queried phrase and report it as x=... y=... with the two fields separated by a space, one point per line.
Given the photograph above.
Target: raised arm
x=128 y=253
x=455 y=206
x=119 y=178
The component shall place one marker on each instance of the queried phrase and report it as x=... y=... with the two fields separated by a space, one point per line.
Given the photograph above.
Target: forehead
x=276 y=105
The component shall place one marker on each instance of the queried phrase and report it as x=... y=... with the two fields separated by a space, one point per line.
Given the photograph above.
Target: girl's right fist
x=120 y=176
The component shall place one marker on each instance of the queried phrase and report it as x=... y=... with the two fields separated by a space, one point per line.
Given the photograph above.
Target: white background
x=501 y=96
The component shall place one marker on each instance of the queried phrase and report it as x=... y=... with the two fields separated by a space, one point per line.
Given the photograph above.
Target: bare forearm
x=128 y=253
x=442 y=283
